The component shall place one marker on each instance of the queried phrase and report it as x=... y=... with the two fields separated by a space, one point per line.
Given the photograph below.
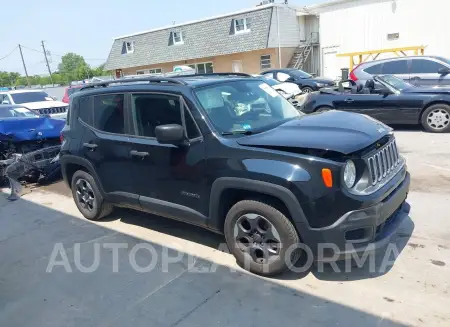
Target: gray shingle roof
x=201 y=39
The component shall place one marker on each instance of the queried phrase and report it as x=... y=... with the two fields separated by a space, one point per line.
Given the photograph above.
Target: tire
x=307 y=89
x=283 y=228
x=436 y=118
x=323 y=109
x=99 y=208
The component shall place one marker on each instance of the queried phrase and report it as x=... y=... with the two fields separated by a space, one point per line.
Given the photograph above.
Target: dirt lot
x=412 y=292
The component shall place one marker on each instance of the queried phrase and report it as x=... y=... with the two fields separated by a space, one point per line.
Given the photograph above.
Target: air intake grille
x=383 y=162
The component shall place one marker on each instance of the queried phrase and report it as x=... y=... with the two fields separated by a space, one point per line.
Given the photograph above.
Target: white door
x=236 y=66
x=330 y=67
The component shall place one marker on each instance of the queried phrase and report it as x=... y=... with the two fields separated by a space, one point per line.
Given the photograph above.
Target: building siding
x=289 y=28
x=364 y=25
x=201 y=40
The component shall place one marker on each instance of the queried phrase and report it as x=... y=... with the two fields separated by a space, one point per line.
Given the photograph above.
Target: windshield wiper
x=237 y=132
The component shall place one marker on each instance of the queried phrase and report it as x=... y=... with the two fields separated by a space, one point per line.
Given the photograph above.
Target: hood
x=333 y=130
x=27 y=129
x=44 y=104
x=426 y=90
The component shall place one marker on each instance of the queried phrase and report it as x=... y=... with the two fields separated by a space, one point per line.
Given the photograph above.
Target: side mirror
x=170 y=134
x=444 y=71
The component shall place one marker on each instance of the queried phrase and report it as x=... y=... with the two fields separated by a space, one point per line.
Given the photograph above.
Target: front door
x=236 y=66
x=368 y=104
x=168 y=178
x=400 y=109
x=106 y=145
x=425 y=72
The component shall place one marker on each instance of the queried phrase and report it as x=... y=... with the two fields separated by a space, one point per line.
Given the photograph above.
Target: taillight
x=352 y=75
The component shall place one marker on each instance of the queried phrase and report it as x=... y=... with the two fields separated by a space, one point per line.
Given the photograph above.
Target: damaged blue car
x=29 y=145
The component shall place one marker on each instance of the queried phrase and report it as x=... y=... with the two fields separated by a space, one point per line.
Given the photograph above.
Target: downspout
x=279 y=44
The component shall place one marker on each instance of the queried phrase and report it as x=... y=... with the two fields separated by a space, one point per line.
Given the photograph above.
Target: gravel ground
x=412 y=292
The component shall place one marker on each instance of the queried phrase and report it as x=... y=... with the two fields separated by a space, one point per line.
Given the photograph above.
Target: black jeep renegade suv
x=228 y=153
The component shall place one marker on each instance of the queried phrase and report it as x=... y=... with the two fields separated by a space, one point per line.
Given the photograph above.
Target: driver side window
x=283 y=77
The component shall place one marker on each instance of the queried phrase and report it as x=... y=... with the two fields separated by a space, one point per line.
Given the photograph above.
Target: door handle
x=142 y=155
x=349 y=100
x=90 y=146
x=415 y=77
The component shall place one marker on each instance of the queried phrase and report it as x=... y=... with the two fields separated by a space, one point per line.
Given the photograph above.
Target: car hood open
x=28 y=129
x=333 y=130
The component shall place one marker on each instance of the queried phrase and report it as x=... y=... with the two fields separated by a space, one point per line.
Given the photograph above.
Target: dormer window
x=177 y=37
x=129 y=46
x=242 y=25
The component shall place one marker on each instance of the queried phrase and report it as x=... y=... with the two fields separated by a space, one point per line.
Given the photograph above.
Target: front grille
x=383 y=162
x=50 y=111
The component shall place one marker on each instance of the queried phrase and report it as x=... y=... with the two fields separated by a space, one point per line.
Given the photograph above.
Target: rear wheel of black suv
x=262 y=239
x=88 y=198
x=436 y=118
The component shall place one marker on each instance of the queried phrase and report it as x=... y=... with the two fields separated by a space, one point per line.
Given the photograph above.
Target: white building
x=349 y=26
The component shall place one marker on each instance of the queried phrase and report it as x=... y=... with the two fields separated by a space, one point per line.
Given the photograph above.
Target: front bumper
x=360 y=231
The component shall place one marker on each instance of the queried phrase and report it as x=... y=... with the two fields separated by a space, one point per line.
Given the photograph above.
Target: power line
x=9 y=53
x=46 y=60
x=57 y=54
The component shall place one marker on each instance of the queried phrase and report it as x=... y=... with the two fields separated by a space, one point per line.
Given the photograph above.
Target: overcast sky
x=87 y=27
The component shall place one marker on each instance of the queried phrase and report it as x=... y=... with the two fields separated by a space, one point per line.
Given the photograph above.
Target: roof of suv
x=192 y=81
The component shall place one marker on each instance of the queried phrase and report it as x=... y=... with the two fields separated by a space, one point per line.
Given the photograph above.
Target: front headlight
x=349 y=174
x=301 y=99
x=321 y=84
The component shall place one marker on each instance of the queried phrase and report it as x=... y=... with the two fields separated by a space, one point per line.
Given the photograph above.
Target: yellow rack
x=418 y=50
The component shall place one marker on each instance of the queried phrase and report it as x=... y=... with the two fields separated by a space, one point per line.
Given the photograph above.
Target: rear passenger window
x=374 y=70
x=395 y=67
x=424 y=66
x=109 y=113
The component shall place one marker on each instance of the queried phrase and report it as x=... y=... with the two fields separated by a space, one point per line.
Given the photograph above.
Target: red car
x=69 y=91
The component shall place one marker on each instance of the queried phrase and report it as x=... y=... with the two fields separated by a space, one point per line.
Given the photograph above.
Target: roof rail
x=215 y=74
x=134 y=80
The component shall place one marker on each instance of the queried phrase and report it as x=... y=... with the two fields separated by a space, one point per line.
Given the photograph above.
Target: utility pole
x=46 y=60
x=24 y=66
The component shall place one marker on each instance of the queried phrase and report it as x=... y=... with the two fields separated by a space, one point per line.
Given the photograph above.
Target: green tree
x=71 y=63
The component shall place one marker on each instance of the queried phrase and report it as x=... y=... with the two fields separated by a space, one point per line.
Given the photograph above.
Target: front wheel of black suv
x=88 y=198
x=262 y=239
x=436 y=118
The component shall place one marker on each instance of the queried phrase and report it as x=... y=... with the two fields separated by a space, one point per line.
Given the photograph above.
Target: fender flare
x=280 y=192
x=69 y=159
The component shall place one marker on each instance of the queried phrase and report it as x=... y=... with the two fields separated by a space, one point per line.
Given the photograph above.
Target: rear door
x=424 y=72
x=106 y=143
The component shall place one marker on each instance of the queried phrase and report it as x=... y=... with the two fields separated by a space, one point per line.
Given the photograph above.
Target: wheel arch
x=432 y=103
x=240 y=188
x=71 y=164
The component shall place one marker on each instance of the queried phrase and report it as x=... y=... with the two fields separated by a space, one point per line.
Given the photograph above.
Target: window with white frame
x=242 y=25
x=177 y=37
x=265 y=62
x=149 y=71
x=129 y=45
x=203 y=68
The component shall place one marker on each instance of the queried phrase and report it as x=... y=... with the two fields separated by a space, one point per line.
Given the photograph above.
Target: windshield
x=445 y=60
x=245 y=106
x=395 y=82
x=300 y=73
x=24 y=97
x=271 y=81
x=12 y=112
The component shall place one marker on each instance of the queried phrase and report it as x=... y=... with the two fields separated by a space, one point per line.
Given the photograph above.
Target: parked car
x=286 y=89
x=417 y=70
x=38 y=101
x=305 y=81
x=264 y=178
x=69 y=91
x=388 y=99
